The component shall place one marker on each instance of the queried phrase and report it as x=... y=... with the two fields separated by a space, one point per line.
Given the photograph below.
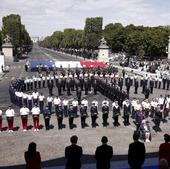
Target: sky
x=43 y=17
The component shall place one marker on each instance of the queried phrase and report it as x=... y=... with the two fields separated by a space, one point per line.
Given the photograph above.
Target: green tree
x=93 y=32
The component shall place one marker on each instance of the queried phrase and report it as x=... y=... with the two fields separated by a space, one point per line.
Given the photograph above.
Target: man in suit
x=73 y=154
x=103 y=154
x=136 y=153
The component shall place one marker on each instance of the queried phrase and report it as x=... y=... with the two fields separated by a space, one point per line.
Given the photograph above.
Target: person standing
x=59 y=115
x=47 y=116
x=32 y=157
x=73 y=154
x=83 y=114
x=164 y=149
x=49 y=102
x=136 y=153
x=105 y=112
x=65 y=107
x=35 y=114
x=41 y=102
x=116 y=113
x=71 y=116
x=103 y=154
x=94 y=113
x=24 y=111
x=10 y=118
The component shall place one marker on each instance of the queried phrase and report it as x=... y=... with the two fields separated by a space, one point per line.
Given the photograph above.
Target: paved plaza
x=52 y=143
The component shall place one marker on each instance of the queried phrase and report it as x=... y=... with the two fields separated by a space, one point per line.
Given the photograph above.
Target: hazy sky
x=42 y=17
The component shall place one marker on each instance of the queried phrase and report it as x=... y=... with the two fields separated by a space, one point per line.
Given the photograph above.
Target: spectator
x=103 y=154
x=73 y=154
x=164 y=149
x=136 y=153
x=32 y=157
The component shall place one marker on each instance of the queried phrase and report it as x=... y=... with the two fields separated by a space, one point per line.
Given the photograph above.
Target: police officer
x=105 y=112
x=116 y=113
x=10 y=118
x=59 y=114
x=47 y=116
x=71 y=116
x=24 y=111
x=94 y=114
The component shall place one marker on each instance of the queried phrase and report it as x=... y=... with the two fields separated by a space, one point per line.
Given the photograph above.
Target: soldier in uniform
x=65 y=107
x=50 y=87
x=71 y=116
x=41 y=102
x=75 y=107
x=78 y=93
x=151 y=85
x=116 y=113
x=29 y=97
x=47 y=116
x=68 y=85
x=35 y=95
x=0 y=120
x=59 y=114
x=136 y=85
x=43 y=80
x=49 y=103
x=57 y=102
x=24 y=111
x=105 y=112
x=35 y=114
x=94 y=113
x=10 y=118
x=83 y=114
x=127 y=112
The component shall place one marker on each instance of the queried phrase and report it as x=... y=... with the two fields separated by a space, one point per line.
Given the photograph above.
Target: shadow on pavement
x=87 y=159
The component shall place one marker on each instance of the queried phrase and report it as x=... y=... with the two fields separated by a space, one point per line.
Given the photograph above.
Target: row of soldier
x=139 y=111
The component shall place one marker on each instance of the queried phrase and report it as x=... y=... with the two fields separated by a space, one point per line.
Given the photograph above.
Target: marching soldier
x=85 y=103
x=127 y=111
x=105 y=112
x=41 y=102
x=50 y=87
x=47 y=116
x=57 y=102
x=158 y=118
x=65 y=107
x=83 y=114
x=35 y=114
x=68 y=85
x=136 y=85
x=39 y=82
x=78 y=93
x=35 y=95
x=29 y=97
x=0 y=120
x=94 y=113
x=59 y=115
x=116 y=113
x=151 y=85
x=25 y=99
x=43 y=80
x=24 y=111
x=10 y=118
x=49 y=103
x=86 y=84
x=71 y=116
x=75 y=107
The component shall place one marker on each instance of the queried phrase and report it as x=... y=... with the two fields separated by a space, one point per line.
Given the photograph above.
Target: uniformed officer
x=78 y=93
x=0 y=120
x=59 y=114
x=49 y=103
x=151 y=85
x=29 y=97
x=24 y=111
x=43 y=80
x=136 y=85
x=47 y=116
x=25 y=99
x=94 y=113
x=158 y=118
x=41 y=102
x=105 y=112
x=50 y=87
x=116 y=113
x=126 y=111
x=35 y=114
x=10 y=118
x=65 y=107
x=71 y=116
x=83 y=114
